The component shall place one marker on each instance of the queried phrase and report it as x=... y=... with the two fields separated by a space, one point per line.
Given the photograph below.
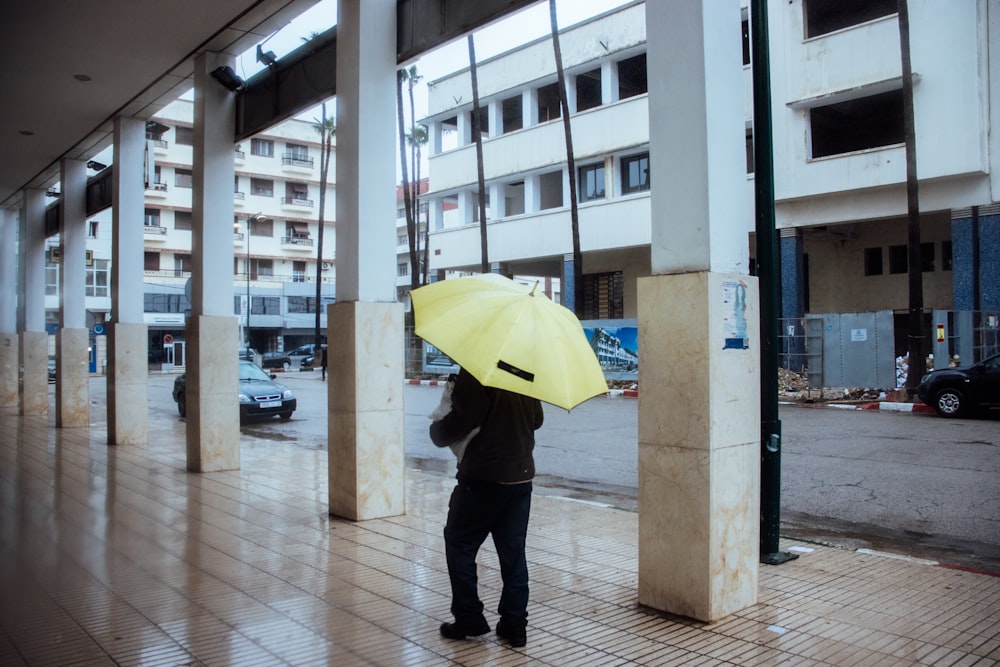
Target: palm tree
x=477 y=134
x=571 y=166
x=402 y=75
x=416 y=138
x=327 y=128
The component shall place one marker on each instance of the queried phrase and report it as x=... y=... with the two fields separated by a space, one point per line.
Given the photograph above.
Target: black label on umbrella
x=514 y=370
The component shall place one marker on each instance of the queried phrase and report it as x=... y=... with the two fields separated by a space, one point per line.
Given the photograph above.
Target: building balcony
x=297 y=162
x=239 y=239
x=156 y=190
x=297 y=242
x=160 y=146
x=297 y=203
x=240 y=155
x=155 y=232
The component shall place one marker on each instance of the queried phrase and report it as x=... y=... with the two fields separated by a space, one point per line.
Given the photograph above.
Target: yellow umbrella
x=510 y=336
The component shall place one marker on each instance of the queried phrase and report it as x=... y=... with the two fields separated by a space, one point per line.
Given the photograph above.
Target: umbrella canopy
x=511 y=337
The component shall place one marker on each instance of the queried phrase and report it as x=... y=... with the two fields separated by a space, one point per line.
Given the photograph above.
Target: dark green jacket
x=502 y=450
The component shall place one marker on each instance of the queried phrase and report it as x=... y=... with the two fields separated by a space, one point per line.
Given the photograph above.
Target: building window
x=632 y=77
x=513 y=198
x=855 y=125
x=513 y=114
x=484 y=122
x=51 y=279
x=184 y=136
x=298 y=271
x=263 y=227
x=898 y=262
x=182 y=219
x=182 y=264
x=750 y=154
x=588 y=90
x=151 y=261
x=591 y=185
x=97 y=278
x=152 y=217
x=825 y=16
x=548 y=103
x=946 y=256
x=182 y=178
x=603 y=296
x=550 y=190
x=301 y=304
x=926 y=257
x=403 y=269
x=163 y=303
x=873 y=261
x=261 y=267
x=262 y=147
x=746 y=41
x=262 y=187
x=93 y=229
x=265 y=305
x=635 y=173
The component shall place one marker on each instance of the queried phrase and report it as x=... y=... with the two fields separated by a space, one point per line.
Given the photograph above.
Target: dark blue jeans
x=476 y=510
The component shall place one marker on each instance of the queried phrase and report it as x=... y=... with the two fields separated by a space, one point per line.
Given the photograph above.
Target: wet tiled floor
x=118 y=556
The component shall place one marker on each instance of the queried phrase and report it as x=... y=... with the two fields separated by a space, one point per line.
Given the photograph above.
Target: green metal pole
x=768 y=273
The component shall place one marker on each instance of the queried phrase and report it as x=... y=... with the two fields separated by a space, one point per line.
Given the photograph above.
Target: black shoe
x=516 y=635
x=464 y=630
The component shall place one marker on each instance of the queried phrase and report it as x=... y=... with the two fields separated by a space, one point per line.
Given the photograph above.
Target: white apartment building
x=840 y=177
x=275 y=238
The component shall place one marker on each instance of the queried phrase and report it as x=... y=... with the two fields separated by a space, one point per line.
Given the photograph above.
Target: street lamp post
x=246 y=332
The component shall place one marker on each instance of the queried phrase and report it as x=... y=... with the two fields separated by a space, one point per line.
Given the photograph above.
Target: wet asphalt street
x=911 y=483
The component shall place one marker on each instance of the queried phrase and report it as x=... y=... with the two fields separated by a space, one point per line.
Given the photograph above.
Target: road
x=910 y=483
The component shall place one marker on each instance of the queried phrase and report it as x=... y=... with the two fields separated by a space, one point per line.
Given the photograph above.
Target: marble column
x=128 y=364
x=72 y=338
x=365 y=413
x=9 y=340
x=213 y=425
x=34 y=352
x=699 y=407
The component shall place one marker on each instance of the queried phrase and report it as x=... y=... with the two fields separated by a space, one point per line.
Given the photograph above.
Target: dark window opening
x=635 y=173
x=262 y=147
x=898 y=260
x=262 y=227
x=823 y=16
x=265 y=305
x=746 y=41
x=867 y=122
x=513 y=114
x=603 y=296
x=926 y=257
x=946 y=256
x=550 y=188
x=152 y=217
x=301 y=304
x=182 y=219
x=632 y=77
x=262 y=187
x=164 y=303
x=182 y=178
x=484 y=122
x=591 y=182
x=750 y=154
x=184 y=136
x=151 y=261
x=873 y=261
x=588 y=90
x=548 y=103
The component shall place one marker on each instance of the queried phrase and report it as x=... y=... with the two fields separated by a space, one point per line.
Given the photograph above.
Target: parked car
x=259 y=394
x=311 y=360
x=303 y=350
x=276 y=360
x=953 y=392
x=248 y=354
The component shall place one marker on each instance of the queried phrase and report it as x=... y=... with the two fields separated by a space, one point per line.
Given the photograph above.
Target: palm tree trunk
x=326 y=141
x=407 y=202
x=916 y=367
x=574 y=214
x=477 y=134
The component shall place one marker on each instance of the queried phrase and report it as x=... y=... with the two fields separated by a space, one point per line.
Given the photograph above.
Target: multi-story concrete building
x=275 y=235
x=839 y=157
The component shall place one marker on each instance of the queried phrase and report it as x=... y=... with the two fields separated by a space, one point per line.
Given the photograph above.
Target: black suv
x=953 y=392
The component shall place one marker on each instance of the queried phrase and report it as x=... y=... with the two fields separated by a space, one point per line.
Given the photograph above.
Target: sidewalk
x=118 y=556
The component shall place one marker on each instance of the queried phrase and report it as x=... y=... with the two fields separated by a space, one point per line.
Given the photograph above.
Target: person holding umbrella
x=492 y=497
x=516 y=348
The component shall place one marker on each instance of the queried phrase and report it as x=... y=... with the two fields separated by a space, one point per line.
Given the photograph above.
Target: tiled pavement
x=118 y=556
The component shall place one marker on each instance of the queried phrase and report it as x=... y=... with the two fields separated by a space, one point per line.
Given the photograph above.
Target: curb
x=634 y=393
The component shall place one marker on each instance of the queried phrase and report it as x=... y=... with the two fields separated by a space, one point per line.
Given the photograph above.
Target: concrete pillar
x=9 y=340
x=699 y=409
x=365 y=409
x=34 y=352
x=609 y=82
x=128 y=364
x=72 y=338
x=213 y=425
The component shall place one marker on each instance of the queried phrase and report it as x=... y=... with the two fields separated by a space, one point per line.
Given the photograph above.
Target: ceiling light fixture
x=266 y=57
x=228 y=78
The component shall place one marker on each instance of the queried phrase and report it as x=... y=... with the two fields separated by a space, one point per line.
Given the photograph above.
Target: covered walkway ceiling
x=67 y=69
